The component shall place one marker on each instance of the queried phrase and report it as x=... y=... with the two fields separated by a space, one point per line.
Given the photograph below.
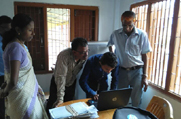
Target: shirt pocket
x=134 y=50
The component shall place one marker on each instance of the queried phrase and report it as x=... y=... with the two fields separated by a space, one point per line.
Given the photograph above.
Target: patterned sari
x=26 y=100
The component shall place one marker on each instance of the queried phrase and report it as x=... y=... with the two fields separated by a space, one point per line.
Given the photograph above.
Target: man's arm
x=110 y=49
x=145 y=49
x=115 y=75
x=145 y=75
x=60 y=73
x=84 y=79
x=110 y=43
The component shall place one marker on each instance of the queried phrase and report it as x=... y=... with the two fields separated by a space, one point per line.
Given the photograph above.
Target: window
x=161 y=19
x=58 y=20
x=141 y=16
x=55 y=27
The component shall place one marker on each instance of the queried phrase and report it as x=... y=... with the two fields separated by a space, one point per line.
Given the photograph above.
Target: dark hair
x=5 y=20
x=109 y=59
x=19 y=20
x=129 y=14
x=78 y=42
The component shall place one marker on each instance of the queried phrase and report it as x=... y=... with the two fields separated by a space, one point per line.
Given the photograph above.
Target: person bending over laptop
x=95 y=74
x=69 y=62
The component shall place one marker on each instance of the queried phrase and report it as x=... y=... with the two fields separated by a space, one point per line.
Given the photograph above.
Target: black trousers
x=69 y=94
x=2 y=105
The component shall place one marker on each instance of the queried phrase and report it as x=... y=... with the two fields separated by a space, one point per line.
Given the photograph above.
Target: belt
x=132 y=68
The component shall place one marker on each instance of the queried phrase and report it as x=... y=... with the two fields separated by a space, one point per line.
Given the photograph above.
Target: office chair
x=160 y=107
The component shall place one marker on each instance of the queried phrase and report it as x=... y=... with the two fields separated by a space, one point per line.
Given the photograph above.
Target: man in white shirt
x=132 y=46
x=69 y=63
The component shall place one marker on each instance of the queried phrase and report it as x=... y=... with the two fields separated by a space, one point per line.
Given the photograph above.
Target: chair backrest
x=160 y=107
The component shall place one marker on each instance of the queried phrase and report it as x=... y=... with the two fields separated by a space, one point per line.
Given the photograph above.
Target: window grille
x=159 y=33
x=141 y=16
x=58 y=23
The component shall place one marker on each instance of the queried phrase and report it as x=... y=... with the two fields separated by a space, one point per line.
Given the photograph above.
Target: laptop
x=112 y=99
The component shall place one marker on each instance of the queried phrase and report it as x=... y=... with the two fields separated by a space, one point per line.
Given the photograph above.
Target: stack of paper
x=77 y=110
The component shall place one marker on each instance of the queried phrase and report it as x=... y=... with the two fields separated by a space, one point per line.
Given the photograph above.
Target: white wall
x=106 y=12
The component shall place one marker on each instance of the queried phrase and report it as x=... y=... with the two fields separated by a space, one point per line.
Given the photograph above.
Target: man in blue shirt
x=5 y=25
x=131 y=47
x=95 y=74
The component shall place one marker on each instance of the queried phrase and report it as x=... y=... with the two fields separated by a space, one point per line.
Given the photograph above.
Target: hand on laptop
x=96 y=97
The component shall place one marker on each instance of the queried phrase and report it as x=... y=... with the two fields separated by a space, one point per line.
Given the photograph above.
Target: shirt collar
x=135 y=31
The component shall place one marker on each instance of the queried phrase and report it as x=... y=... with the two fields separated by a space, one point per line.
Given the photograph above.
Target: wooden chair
x=160 y=107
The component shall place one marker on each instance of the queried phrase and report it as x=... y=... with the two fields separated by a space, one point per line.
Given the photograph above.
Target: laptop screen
x=112 y=99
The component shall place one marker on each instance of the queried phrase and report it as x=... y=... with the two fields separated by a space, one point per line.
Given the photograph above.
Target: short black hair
x=78 y=42
x=5 y=19
x=109 y=59
x=129 y=14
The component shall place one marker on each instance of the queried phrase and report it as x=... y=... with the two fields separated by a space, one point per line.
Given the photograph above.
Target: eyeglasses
x=84 y=52
x=129 y=26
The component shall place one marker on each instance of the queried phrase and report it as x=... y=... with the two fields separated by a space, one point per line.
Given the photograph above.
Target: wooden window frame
x=172 y=42
x=72 y=8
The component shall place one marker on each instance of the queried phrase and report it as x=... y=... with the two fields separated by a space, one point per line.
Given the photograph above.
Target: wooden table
x=106 y=114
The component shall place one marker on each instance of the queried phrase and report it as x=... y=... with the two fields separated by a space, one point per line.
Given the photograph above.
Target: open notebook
x=78 y=110
x=112 y=99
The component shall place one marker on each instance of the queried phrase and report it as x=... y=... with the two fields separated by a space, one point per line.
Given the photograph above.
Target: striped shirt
x=65 y=72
